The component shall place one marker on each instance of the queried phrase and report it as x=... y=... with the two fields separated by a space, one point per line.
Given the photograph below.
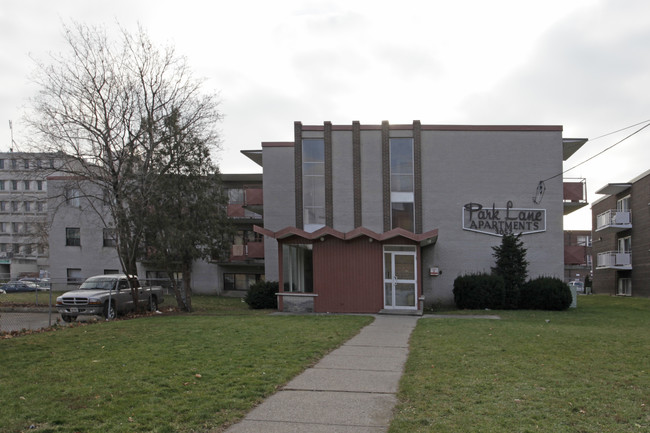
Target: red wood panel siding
x=348 y=276
x=255 y=250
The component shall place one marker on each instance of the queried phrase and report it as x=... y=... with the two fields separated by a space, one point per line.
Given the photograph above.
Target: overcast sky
x=583 y=64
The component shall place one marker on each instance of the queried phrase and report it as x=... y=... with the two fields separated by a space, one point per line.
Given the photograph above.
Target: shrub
x=261 y=295
x=479 y=291
x=511 y=264
x=545 y=293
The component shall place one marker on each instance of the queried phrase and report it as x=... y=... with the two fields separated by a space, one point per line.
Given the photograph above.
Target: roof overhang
x=424 y=239
x=614 y=188
x=571 y=146
x=254 y=155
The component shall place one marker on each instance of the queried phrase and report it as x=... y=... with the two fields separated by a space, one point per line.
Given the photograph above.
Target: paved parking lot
x=15 y=321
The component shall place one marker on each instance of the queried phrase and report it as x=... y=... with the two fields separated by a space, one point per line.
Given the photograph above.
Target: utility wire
x=541 y=187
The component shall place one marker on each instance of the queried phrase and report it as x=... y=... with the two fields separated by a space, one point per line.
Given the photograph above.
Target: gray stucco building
x=364 y=218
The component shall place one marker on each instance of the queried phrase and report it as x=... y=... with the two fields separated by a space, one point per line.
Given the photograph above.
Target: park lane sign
x=497 y=221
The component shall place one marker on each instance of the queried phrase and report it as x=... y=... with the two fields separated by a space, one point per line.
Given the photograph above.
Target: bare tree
x=104 y=104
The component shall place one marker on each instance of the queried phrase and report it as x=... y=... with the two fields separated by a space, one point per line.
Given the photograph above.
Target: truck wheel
x=109 y=311
x=153 y=304
x=68 y=319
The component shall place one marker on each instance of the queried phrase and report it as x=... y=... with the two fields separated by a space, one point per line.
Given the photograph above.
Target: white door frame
x=391 y=280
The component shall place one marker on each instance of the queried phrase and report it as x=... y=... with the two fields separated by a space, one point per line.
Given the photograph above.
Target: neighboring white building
x=23 y=213
x=82 y=246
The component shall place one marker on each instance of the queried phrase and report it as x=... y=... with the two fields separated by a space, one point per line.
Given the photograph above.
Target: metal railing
x=614 y=218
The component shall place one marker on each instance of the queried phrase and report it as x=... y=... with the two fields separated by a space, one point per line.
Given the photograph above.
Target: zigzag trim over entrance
x=427 y=238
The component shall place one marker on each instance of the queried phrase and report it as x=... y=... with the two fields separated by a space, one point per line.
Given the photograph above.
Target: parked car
x=579 y=286
x=42 y=283
x=107 y=296
x=20 y=286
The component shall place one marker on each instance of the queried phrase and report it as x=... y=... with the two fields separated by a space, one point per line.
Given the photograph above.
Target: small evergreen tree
x=512 y=266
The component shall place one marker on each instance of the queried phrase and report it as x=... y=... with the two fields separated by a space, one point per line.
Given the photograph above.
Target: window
x=236 y=196
x=39 y=185
x=14 y=185
x=2 y=164
x=28 y=206
x=16 y=248
x=73 y=237
x=26 y=184
x=313 y=184
x=14 y=206
x=3 y=227
x=109 y=238
x=3 y=206
x=39 y=163
x=240 y=281
x=72 y=197
x=14 y=164
x=40 y=206
x=74 y=276
x=28 y=249
x=584 y=241
x=2 y=185
x=16 y=227
x=402 y=194
x=26 y=163
x=625 y=244
x=624 y=287
x=623 y=204
x=297 y=268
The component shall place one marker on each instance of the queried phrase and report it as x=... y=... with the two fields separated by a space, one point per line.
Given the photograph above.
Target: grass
x=170 y=373
x=583 y=370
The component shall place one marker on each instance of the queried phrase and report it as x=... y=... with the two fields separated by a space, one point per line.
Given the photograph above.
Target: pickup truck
x=107 y=296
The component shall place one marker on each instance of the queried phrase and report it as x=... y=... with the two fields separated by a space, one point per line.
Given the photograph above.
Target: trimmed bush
x=261 y=295
x=545 y=293
x=479 y=291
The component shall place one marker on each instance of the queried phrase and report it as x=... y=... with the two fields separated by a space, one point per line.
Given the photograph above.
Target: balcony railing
x=614 y=260
x=614 y=219
x=252 y=250
x=574 y=194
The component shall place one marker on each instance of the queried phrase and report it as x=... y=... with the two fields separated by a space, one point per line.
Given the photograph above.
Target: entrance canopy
x=424 y=239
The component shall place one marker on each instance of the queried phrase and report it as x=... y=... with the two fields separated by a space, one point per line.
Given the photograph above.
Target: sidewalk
x=350 y=390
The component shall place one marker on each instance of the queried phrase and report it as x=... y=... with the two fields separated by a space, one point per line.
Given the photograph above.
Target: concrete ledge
x=294 y=302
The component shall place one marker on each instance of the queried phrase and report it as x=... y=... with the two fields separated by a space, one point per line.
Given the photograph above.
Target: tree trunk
x=177 y=292
x=187 y=284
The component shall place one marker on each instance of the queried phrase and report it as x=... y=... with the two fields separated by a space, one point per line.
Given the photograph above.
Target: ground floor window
x=74 y=276
x=298 y=268
x=232 y=281
x=624 y=287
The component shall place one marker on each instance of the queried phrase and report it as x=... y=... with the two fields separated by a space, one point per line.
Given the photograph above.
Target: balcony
x=614 y=260
x=254 y=200
x=575 y=195
x=252 y=250
x=614 y=220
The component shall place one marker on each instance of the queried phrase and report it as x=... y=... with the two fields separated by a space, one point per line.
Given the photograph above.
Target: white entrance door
x=400 y=281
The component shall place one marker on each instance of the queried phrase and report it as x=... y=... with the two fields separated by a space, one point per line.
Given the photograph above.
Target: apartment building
x=577 y=255
x=82 y=245
x=369 y=218
x=23 y=213
x=621 y=238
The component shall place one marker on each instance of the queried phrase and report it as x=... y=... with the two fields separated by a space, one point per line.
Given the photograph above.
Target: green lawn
x=170 y=373
x=583 y=370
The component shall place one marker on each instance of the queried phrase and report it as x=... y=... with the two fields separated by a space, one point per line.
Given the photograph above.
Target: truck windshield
x=99 y=283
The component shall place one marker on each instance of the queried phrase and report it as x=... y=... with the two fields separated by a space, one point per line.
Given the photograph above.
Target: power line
x=541 y=186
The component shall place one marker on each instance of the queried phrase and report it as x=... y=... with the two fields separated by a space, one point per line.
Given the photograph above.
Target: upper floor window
x=625 y=244
x=73 y=197
x=109 y=238
x=584 y=241
x=623 y=204
x=402 y=191
x=236 y=196
x=26 y=163
x=14 y=185
x=313 y=183
x=73 y=236
x=39 y=185
x=14 y=164
x=26 y=185
x=2 y=164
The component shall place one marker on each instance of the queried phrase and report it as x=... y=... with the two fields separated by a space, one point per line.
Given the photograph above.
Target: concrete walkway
x=353 y=389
